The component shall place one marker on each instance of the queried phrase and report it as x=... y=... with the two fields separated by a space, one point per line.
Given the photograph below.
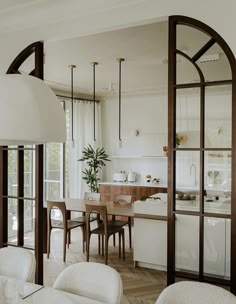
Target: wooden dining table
x=113 y=208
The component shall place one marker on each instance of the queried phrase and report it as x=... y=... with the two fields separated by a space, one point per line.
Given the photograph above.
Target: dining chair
x=123 y=199
x=195 y=292
x=64 y=224
x=104 y=229
x=91 y=280
x=91 y=196
x=17 y=263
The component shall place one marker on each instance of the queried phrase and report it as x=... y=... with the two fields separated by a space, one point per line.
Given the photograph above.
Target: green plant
x=95 y=160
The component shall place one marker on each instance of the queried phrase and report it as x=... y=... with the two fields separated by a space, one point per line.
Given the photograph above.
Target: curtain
x=83 y=133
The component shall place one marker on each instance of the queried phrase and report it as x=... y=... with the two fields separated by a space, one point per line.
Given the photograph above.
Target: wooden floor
x=140 y=285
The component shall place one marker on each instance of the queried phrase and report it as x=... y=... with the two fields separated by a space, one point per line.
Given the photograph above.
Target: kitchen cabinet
x=137 y=190
x=150 y=234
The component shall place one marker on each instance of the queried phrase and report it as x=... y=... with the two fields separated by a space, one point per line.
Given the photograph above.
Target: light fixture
x=72 y=67
x=94 y=100
x=120 y=60
x=30 y=112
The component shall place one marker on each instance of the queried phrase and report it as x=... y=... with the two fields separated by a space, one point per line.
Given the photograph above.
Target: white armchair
x=91 y=280
x=195 y=293
x=17 y=263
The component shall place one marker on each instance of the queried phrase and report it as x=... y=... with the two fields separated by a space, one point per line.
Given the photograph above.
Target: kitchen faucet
x=193 y=166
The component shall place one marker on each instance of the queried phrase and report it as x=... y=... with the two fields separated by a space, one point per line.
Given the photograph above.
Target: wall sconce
x=135 y=132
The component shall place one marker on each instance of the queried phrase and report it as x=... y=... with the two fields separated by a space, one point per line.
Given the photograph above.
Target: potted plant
x=95 y=160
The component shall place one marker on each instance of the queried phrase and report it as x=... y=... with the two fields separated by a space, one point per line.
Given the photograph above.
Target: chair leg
x=64 y=245
x=102 y=245
x=68 y=239
x=114 y=236
x=87 y=246
x=119 y=245
x=83 y=237
x=48 y=242
x=99 y=244
x=123 y=238
x=130 y=232
x=106 y=250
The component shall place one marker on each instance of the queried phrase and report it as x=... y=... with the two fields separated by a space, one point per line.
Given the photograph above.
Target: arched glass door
x=201 y=154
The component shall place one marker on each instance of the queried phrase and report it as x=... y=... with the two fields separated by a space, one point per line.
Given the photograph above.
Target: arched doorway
x=201 y=158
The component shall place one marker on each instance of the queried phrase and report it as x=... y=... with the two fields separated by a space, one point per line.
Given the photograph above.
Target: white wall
x=148 y=115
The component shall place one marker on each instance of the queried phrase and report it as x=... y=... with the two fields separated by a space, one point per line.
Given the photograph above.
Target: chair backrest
x=92 y=280
x=17 y=263
x=93 y=196
x=122 y=199
x=102 y=210
x=195 y=292
x=56 y=205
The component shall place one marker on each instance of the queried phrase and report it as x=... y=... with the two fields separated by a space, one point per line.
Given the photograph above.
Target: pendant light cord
x=94 y=99
x=72 y=100
x=119 y=60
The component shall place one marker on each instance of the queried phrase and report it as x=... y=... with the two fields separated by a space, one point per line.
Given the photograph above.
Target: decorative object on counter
x=165 y=150
x=180 y=138
x=120 y=177
x=155 y=180
x=148 y=178
x=131 y=177
x=95 y=160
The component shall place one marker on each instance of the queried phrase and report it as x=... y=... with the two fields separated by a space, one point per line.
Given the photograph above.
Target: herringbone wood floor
x=140 y=285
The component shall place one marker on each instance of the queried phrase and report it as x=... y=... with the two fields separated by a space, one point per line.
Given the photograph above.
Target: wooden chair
x=64 y=224
x=123 y=199
x=105 y=230
x=93 y=196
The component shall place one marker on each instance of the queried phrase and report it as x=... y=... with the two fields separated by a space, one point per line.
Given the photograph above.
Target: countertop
x=134 y=184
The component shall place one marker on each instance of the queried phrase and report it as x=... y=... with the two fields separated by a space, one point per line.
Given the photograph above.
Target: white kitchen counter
x=135 y=184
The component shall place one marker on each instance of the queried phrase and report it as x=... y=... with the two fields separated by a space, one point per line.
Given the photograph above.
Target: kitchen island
x=150 y=236
x=137 y=189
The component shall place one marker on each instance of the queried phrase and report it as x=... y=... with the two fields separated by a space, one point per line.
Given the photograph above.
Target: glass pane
x=185 y=71
x=218 y=117
x=187 y=243
x=187 y=180
x=188 y=118
x=29 y=173
x=12 y=172
x=54 y=172
x=218 y=182
x=29 y=222
x=216 y=248
x=185 y=41
x=12 y=221
x=214 y=64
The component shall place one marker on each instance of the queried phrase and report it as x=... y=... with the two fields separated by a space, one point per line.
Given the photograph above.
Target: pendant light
x=72 y=67
x=94 y=100
x=120 y=60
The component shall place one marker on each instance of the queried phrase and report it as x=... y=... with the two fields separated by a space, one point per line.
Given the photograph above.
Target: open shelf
x=139 y=156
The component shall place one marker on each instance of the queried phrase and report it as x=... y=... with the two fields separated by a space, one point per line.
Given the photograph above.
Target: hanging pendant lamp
x=119 y=60
x=72 y=67
x=94 y=100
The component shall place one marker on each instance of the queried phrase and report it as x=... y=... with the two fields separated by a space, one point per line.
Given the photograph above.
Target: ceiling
x=144 y=47
x=145 y=69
